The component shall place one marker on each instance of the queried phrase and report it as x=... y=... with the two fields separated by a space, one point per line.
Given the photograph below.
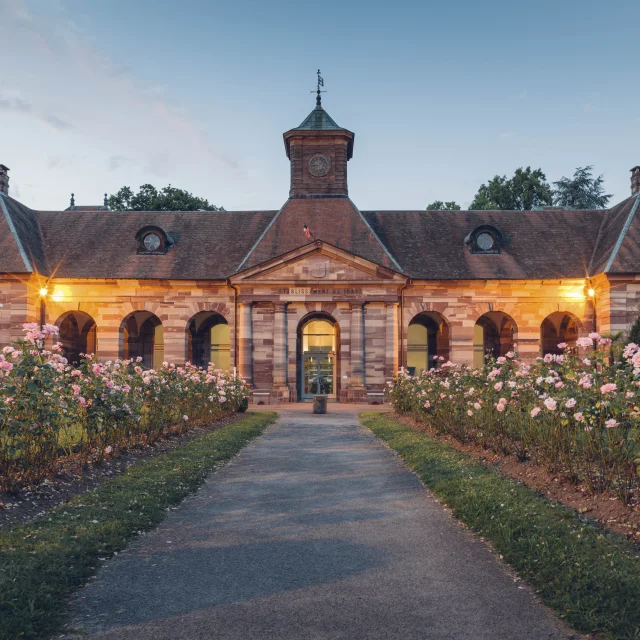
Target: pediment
x=319 y=264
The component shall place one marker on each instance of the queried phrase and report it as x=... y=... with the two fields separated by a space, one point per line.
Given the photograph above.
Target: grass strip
x=590 y=578
x=42 y=563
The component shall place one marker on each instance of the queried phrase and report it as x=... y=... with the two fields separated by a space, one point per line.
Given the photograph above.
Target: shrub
x=49 y=409
x=576 y=413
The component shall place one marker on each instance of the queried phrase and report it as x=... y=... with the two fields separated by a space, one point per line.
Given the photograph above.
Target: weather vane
x=320 y=84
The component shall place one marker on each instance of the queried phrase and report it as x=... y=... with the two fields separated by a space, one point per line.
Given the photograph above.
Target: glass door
x=318 y=375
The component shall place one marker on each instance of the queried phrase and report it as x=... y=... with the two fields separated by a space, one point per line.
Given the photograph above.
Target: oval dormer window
x=485 y=241
x=152 y=242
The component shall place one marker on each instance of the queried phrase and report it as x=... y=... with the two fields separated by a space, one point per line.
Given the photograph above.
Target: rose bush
x=50 y=409
x=577 y=414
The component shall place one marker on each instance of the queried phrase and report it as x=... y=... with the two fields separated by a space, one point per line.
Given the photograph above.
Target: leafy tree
x=525 y=190
x=438 y=205
x=582 y=191
x=149 y=198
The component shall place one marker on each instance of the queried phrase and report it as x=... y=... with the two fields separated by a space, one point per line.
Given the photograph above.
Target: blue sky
x=441 y=95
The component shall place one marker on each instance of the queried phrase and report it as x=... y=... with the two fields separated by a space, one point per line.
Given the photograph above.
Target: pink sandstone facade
x=321 y=298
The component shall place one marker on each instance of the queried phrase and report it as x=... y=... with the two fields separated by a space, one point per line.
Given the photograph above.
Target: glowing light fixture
x=591 y=292
x=44 y=291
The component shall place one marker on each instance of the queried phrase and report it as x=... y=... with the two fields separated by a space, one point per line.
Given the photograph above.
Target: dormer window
x=153 y=241
x=484 y=239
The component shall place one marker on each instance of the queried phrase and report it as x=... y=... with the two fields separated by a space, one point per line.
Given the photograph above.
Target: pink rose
x=535 y=411
x=570 y=403
x=497 y=386
x=562 y=345
x=608 y=388
x=551 y=404
x=578 y=416
x=610 y=424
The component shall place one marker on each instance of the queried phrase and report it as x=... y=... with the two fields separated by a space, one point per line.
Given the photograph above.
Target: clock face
x=485 y=241
x=319 y=165
x=151 y=242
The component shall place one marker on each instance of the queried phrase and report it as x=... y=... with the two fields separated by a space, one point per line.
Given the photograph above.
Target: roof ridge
x=14 y=233
x=622 y=235
x=375 y=235
x=262 y=235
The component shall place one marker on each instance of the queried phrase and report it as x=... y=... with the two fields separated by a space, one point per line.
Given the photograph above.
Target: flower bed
x=577 y=414
x=50 y=409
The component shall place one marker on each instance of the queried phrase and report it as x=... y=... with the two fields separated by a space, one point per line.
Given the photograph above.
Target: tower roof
x=318 y=120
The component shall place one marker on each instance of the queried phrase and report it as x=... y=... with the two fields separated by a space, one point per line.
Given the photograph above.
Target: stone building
x=317 y=297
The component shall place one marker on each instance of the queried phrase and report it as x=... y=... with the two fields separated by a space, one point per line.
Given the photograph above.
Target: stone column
x=280 y=351
x=245 y=342
x=357 y=350
x=391 y=340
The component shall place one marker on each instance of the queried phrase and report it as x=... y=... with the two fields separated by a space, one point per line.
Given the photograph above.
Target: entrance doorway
x=318 y=343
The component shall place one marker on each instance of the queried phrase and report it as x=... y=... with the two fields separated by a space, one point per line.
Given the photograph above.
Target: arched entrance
x=557 y=328
x=77 y=335
x=317 y=357
x=208 y=340
x=143 y=337
x=494 y=335
x=427 y=338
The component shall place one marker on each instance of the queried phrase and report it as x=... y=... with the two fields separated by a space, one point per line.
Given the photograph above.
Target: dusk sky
x=441 y=95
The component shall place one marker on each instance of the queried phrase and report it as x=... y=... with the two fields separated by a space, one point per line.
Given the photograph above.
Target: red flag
x=307 y=231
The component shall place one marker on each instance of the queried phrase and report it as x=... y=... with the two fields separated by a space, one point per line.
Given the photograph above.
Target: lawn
x=589 y=577
x=42 y=563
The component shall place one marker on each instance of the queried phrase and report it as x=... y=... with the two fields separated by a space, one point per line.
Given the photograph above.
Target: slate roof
x=334 y=220
x=617 y=249
x=318 y=120
x=214 y=245
x=537 y=244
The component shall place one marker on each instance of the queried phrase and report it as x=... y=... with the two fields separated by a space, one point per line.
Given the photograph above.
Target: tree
x=149 y=198
x=438 y=205
x=582 y=191
x=526 y=190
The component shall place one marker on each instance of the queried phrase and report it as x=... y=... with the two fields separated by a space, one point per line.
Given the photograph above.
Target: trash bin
x=319 y=404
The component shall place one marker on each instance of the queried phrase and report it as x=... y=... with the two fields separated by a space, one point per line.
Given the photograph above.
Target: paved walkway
x=316 y=531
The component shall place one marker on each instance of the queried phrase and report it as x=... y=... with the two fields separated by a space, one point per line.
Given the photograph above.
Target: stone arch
x=142 y=336
x=495 y=334
x=559 y=327
x=78 y=334
x=428 y=337
x=208 y=339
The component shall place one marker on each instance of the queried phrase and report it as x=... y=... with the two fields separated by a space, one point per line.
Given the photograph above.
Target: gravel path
x=315 y=531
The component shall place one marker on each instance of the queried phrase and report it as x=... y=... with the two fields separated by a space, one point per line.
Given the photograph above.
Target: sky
x=441 y=95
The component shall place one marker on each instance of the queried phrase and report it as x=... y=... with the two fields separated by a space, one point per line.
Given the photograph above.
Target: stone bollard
x=319 y=404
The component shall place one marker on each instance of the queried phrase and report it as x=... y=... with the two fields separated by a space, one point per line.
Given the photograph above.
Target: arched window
x=208 y=340
x=77 y=335
x=143 y=337
x=557 y=328
x=427 y=339
x=494 y=335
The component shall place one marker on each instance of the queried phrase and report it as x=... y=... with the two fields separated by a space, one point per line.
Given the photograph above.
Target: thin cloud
x=56 y=123
x=25 y=107
x=15 y=104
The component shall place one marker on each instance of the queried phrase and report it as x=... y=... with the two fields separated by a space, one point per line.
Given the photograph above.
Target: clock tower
x=318 y=150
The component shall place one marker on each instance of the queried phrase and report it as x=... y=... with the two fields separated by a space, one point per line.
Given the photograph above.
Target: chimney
x=4 y=179
x=635 y=181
